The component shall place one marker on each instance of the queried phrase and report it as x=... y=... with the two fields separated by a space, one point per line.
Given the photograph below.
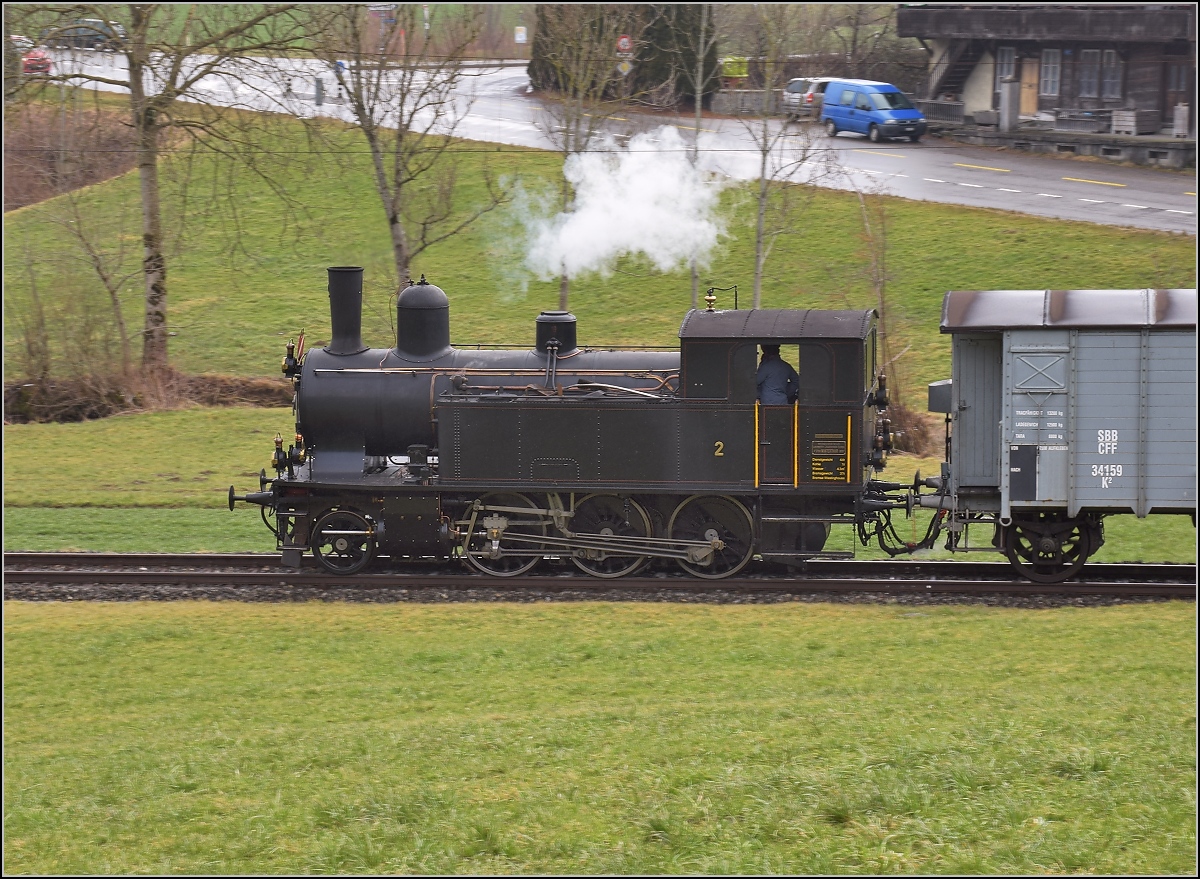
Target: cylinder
x=345 y=310
x=422 y=322
x=556 y=325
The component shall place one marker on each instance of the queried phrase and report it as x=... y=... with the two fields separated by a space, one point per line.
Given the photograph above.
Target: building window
x=1173 y=78
x=1112 y=74
x=1006 y=64
x=1089 y=73
x=1178 y=77
x=1051 y=68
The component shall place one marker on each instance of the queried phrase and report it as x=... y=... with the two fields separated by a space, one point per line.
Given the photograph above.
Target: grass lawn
x=248 y=270
x=595 y=738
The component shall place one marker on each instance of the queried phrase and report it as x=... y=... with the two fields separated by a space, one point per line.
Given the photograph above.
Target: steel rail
x=831 y=569
x=897 y=583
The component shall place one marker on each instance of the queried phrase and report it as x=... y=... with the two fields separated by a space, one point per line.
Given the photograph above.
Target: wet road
x=494 y=106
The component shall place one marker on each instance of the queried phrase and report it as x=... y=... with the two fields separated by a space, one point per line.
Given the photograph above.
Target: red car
x=35 y=61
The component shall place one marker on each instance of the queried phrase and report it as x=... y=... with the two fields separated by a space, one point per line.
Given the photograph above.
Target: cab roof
x=780 y=325
x=967 y=310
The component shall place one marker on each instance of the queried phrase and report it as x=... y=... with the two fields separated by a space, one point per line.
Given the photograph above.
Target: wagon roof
x=1005 y=309
x=781 y=324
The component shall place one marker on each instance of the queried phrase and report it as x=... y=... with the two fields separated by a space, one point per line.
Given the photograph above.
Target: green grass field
x=589 y=738
x=597 y=738
x=236 y=296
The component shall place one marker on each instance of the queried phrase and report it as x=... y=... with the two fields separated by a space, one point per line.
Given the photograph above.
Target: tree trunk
x=401 y=255
x=564 y=281
x=154 y=262
x=760 y=242
x=400 y=252
x=699 y=83
x=126 y=354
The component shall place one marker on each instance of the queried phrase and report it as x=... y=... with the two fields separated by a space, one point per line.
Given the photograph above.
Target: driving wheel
x=343 y=541
x=606 y=515
x=715 y=518
x=830 y=128
x=1048 y=548
x=515 y=550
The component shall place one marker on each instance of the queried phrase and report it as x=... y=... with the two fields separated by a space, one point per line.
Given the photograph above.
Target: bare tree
x=865 y=37
x=108 y=262
x=696 y=50
x=165 y=53
x=576 y=67
x=402 y=88
x=790 y=161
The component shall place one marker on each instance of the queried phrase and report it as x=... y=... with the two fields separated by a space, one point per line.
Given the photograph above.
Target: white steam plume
x=646 y=199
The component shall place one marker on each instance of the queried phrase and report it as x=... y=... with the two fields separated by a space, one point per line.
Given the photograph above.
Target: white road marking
x=1140 y=207
x=1170 y=211
x=1048 y=195
x=972 y=185
x=1007 y=190
x=1093 y=200
x=933 y=180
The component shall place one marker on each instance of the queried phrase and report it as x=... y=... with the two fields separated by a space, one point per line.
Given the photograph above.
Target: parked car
x=20 y=43
x=35 y=61
x=802 y=96
x=877 y=109
x=86 y=33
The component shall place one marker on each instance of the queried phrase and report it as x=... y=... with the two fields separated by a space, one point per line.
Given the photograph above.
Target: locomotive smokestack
x=345 y=309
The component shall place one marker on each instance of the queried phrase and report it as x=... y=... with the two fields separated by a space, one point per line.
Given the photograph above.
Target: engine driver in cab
x=778 y=383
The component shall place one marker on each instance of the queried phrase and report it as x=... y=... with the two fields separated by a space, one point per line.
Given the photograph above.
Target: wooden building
x=1067 y=58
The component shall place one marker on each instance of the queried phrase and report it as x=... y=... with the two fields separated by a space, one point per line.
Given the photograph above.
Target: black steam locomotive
x=608 y=458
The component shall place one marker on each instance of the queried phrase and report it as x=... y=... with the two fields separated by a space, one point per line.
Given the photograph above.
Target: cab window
x=789 y=354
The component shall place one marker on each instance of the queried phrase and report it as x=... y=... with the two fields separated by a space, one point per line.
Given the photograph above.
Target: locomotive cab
x=812 y=459
x=824 y=438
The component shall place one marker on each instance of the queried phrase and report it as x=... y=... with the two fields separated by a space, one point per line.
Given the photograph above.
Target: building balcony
x=1123 y=24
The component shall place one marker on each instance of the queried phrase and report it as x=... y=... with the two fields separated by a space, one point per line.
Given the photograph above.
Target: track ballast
x=258 y=577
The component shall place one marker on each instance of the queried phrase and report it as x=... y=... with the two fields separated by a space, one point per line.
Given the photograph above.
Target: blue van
x=877 y=109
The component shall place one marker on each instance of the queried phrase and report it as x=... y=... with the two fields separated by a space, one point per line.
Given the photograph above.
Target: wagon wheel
x=511 y=557
x=715 y=517
x=608 y=515
x=343 y=541
x=1047 y=549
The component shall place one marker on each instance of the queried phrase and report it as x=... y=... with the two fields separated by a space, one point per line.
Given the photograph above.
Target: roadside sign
x=519 y=34
x=624 y=43
x=624 y=67
x=735 y=66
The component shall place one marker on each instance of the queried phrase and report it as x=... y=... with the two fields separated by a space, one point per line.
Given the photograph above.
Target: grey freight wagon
x=1065 y=406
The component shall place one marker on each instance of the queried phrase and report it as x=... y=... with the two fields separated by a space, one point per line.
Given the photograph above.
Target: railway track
x=163 y=575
